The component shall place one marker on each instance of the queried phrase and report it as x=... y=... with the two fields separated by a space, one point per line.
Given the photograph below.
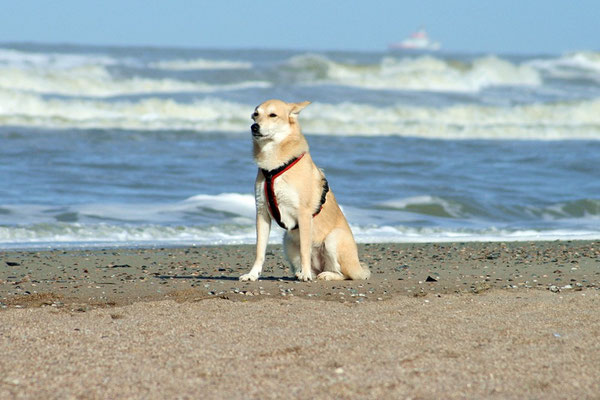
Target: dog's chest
x=286 y=198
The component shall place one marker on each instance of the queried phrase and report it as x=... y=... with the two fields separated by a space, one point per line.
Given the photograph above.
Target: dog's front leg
x=263 y=229
x=305 y=227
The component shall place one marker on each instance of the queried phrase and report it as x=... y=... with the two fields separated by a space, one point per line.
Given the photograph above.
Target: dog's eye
x=272 y=115
x=255 y=114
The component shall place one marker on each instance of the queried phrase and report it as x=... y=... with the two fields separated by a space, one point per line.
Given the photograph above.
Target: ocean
x=149 y=146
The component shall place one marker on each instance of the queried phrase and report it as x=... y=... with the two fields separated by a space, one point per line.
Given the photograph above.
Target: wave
x=433 y=206
x=147 y=114
x=201 y=219
x=199 y=64
x=228 y=218
x=104 y=233
x=92 y=235
x=232 y=208
x=29 y=60
x=96 y=81
x=565 y=120
x=400 y=234
x=426 y=205
x=237 y=208
x=53 y=61
x=422 y=73
x=582 y=65
x=89 y=75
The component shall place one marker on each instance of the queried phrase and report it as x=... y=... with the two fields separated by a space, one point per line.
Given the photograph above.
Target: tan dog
x=292 y=190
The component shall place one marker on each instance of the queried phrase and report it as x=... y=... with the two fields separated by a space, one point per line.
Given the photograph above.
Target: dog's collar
x=270 y=177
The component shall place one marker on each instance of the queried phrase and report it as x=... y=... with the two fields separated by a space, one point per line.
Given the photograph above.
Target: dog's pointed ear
x=295 y=108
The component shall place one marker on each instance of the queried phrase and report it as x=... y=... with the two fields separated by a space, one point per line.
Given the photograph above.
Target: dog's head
x=274 y=119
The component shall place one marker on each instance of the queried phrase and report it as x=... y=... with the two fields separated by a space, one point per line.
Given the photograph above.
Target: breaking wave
x=199 y=64
x=583 y=65
x=51 y=60
x=564 y=120
x=423 y=73
x=96 y=81
x=79 y=235
x=433 y=206
x=227 y=218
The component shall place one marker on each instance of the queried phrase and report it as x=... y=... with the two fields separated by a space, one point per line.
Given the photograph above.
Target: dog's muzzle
x=255 y=128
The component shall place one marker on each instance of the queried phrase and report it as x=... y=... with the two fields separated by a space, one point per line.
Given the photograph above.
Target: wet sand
x=123 y=276
x=452 y=320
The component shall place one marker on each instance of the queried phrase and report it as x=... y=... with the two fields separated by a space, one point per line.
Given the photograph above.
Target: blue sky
x=509 y=26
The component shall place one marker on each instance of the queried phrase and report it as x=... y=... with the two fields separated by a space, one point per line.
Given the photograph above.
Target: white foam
x=86 y=75
x=240 y=207
x=575 y=120
x=96 y=81
x=406 y=204
x=394 y=234
x=30 y=60
x=104 y=234
x=240 y=204
x=577 y=65
x=69 y=233
x=147 y=114
x=200 y=64
x=185 y=222
x=422 y=73
x=30 y=225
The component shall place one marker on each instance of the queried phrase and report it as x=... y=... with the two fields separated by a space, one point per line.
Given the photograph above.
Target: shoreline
x=120 y=276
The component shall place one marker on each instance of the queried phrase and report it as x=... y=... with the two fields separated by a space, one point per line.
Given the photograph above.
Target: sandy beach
x=448 y=320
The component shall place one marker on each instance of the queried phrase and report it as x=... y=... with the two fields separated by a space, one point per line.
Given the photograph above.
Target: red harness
x=270 y=177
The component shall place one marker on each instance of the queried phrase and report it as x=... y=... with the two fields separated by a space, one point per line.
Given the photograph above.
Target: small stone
x=339 y=370
x=554 y=289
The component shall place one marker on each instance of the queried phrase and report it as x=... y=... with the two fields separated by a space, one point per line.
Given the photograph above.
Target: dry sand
x=495 y=320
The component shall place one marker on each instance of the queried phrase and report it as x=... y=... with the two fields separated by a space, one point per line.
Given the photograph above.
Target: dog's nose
x=255 y=128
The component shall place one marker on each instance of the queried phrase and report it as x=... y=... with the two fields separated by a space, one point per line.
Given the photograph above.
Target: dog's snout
x=255 y=128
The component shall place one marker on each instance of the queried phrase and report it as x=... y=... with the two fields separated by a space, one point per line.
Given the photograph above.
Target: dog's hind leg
x=331 y=270
x=340 y=245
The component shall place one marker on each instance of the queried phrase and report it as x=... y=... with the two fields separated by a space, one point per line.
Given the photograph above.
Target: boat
x=417 y=41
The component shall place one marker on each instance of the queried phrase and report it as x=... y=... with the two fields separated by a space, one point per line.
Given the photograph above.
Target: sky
x=495 y=26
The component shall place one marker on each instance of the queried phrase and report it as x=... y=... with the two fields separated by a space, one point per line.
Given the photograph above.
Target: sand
x=457 y=320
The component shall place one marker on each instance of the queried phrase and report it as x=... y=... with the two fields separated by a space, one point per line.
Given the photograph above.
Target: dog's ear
x=295 y=108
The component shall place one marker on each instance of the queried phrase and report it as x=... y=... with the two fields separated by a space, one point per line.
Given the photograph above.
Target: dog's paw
x=330 y=276
x=248 y=277
x=304 y=277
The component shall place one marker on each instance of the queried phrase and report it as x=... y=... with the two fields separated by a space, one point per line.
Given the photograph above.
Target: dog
x=291 y=190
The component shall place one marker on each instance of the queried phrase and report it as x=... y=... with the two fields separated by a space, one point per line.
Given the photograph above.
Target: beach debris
x=12 y=264
x=430 y=279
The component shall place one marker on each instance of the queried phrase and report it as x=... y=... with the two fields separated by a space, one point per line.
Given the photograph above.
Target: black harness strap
x=270 y=177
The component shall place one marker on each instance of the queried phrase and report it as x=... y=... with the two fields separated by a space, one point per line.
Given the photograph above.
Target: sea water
x=115 y=146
